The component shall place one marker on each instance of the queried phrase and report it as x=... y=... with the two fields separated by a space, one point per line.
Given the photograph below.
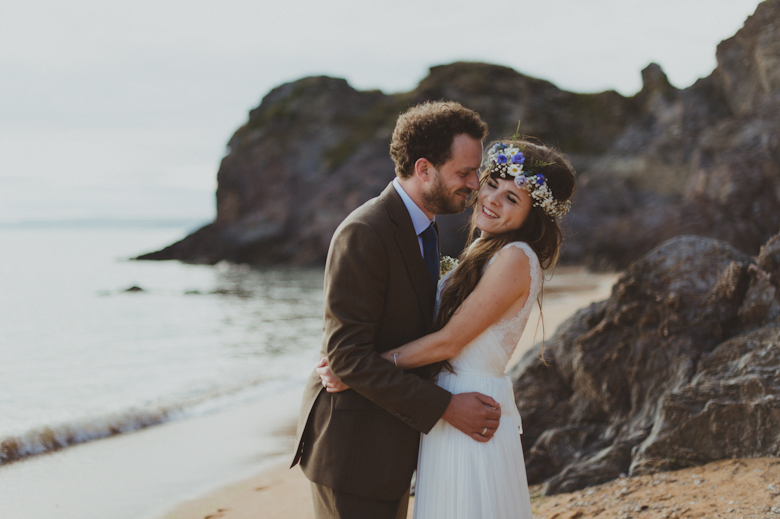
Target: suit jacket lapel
x=406 y=239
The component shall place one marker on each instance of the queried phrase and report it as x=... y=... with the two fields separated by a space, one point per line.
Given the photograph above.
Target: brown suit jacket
x=378 y=296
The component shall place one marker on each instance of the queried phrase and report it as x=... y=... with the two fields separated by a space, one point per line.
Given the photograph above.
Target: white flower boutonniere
x=446 y=263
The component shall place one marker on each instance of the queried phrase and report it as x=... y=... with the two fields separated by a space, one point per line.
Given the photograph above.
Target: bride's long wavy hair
x=539 y=230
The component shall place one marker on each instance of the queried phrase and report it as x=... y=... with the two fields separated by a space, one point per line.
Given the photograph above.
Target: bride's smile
x=489 y=213
x=501 y=207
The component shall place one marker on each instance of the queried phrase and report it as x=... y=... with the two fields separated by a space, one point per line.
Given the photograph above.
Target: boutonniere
x=446 y=263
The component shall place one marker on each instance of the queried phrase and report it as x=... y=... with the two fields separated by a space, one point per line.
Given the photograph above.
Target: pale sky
x=123 y=109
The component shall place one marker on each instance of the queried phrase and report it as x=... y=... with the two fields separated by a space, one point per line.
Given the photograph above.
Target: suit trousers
x=332 y=504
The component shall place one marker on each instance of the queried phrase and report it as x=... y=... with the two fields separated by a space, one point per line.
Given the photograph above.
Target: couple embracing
x=404 y=358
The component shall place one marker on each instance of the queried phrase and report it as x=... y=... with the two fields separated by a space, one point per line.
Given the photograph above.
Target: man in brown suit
x=359 y=447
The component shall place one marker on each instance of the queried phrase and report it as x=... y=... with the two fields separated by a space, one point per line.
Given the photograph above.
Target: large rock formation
x=315 y=149
x=703 y=160
x=679 y=367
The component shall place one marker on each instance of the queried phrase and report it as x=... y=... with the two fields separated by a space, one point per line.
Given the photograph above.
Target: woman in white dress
x=482 y=308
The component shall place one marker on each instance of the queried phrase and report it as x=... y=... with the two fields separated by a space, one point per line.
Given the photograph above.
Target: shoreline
x=280 y=491
x=142 y=474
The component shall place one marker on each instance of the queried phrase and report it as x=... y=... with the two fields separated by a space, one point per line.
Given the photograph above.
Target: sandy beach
x=285 y=493
x=739 y=488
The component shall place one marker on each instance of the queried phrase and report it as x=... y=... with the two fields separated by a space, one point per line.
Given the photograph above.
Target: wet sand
x=285 y=493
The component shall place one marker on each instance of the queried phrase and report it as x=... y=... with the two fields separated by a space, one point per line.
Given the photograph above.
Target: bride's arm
x=507 y=280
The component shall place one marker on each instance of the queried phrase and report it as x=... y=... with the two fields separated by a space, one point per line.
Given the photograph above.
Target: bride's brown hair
x=539 y=230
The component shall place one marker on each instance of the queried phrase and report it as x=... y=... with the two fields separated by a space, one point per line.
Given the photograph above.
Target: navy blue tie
x=431 y=251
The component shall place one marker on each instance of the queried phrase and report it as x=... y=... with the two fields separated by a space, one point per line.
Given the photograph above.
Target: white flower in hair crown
x=506 y=160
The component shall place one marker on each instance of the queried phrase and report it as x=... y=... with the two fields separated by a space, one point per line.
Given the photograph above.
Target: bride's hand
x=329 y=380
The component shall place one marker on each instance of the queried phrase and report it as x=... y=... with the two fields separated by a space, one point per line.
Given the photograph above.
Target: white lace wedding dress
x=458 y=477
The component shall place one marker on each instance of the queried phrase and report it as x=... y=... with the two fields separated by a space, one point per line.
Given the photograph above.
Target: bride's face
x=501 y=207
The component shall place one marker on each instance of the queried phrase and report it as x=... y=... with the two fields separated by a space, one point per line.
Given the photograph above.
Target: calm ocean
x=81 y=358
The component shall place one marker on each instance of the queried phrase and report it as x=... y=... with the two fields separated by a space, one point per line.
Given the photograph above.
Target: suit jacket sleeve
x=355 y=286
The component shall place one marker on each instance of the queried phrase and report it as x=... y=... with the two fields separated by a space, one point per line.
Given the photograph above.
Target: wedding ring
x=484 y=432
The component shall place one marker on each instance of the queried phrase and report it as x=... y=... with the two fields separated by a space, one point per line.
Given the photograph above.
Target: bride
x=482 y=308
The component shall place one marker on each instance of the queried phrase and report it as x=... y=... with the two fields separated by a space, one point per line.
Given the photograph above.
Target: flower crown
x=506 y=159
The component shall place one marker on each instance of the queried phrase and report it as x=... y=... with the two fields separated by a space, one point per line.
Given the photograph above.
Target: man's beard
x=436 y=200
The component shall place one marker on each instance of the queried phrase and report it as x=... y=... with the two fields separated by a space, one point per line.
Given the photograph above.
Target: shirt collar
x=420 y=220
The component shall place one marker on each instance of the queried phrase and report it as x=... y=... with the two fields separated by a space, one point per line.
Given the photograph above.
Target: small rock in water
x=135 y=288
x=240 y=292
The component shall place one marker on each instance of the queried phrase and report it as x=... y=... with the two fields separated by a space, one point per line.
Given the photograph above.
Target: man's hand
x=474 y=414
x=329 y=381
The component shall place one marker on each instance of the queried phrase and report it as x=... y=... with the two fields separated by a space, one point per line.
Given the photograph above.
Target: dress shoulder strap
x=535 y=273
x=532 y=258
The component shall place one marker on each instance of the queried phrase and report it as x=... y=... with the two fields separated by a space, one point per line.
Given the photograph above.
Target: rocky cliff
x=679 y=367
x=702 y=160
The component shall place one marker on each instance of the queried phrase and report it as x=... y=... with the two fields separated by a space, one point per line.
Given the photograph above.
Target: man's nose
x=472 y=181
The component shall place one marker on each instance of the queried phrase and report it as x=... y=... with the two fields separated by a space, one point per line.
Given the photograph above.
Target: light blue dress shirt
x=420 y=220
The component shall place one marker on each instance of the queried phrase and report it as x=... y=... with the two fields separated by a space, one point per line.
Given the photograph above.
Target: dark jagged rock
x=730 y=408
x=704 y=160
x=679 y=367
x=769 y=260
x=666 y=162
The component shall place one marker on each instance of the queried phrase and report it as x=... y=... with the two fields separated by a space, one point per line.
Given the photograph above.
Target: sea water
x=82 y=358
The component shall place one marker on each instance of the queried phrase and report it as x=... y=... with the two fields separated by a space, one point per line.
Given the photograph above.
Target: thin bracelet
x=395 y=359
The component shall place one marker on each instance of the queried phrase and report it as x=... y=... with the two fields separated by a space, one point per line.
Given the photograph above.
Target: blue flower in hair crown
x=506 y=160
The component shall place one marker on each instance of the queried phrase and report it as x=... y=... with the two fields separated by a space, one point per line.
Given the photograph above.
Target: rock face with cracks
x=679 y=367
x=665 y=162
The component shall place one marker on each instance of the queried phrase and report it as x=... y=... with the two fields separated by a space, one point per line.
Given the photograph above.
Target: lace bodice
x=490 y=352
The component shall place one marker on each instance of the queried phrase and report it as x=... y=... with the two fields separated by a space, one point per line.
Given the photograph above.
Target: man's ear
x=422 y=169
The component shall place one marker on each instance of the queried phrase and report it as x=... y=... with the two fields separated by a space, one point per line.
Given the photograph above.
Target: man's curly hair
x=427 y=131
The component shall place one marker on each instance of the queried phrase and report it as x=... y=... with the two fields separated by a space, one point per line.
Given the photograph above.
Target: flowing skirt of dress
x=460 y=478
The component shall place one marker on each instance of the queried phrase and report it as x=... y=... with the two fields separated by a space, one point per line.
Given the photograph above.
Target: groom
x=359 y=447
